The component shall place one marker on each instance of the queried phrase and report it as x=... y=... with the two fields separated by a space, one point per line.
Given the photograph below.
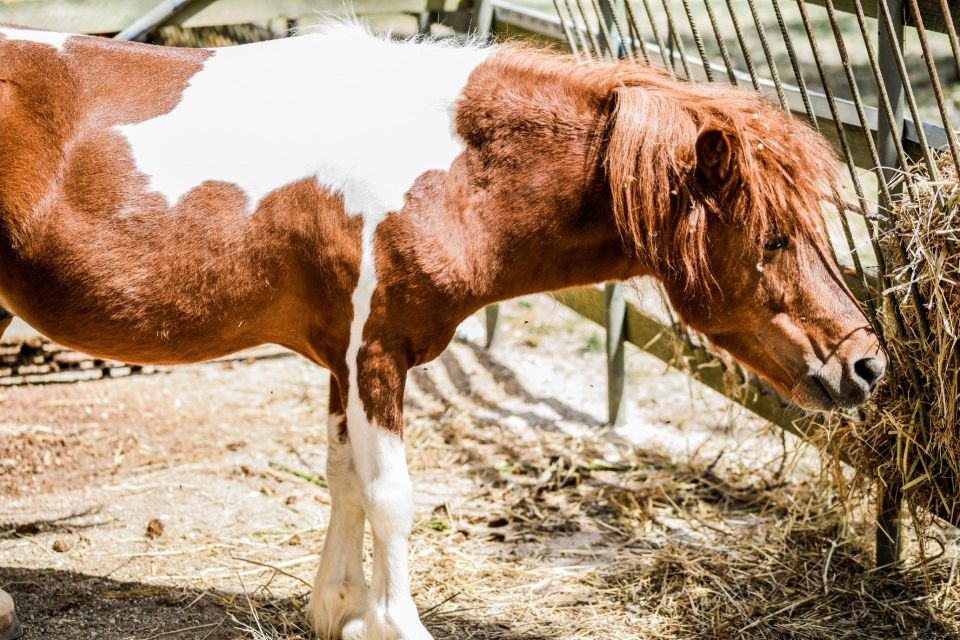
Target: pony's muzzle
x=852 y=387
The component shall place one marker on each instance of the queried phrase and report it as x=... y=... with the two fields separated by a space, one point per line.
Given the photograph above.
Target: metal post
x=607 y=7
x=889 y=503
x=154 y=18
x=483 y=22
x=616 y=324
x=492 y=313
x=894 y=86
x=890 y=498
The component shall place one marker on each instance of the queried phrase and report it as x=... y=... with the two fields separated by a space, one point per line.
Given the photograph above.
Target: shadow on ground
x=64 y=605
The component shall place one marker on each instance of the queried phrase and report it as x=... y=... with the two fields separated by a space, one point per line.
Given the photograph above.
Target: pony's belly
x=105 y=328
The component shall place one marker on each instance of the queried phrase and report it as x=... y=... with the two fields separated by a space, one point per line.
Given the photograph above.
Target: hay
x=563 y=543
x=908 y=435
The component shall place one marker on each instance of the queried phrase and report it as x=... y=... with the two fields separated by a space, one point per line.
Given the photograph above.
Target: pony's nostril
x=870 y=370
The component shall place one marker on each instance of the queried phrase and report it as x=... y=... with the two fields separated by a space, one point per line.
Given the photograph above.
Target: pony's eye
x=775 y=243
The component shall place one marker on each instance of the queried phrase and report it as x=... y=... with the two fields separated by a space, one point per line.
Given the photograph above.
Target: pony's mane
x=781 y=170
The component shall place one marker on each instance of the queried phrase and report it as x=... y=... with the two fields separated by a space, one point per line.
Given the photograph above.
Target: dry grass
x=909 y=434
x=591 y=538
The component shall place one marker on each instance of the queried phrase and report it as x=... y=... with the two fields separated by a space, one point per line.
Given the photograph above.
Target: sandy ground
x=150 y=507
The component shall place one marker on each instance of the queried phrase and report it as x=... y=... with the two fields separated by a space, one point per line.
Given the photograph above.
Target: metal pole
x=891 y=80
x=615 y=306
x=890 y=496
x=888 y=524
x=607 y=8
x=492 y=313
x=152 y=19
x=483 y=22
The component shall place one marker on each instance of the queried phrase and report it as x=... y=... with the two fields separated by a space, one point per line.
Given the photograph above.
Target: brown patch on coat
x=143 y=281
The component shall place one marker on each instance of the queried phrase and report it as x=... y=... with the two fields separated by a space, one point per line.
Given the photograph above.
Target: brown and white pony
x=354 y=199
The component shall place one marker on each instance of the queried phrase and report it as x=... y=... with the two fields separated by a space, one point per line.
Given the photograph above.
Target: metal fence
x=846 y=68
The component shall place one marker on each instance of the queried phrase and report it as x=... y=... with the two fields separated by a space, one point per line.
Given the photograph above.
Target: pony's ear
x=715 y=152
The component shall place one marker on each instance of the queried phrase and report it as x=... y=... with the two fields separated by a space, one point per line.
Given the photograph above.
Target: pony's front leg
x=375 y=423
x=339 y=596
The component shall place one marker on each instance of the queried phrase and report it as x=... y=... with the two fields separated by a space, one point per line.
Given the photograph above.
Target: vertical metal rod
x=492 y=313
x=935 y=84
x=674 y=39
x=484 y=18
x=567 y=31
x=611 y=39
x=698 y=41
x=665 y=54
x=748 y=59
x=616 y=322
x=891 y=80
x=718 y=35
x=889 y=502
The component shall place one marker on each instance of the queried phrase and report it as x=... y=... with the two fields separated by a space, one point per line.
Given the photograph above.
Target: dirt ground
x=191 y=504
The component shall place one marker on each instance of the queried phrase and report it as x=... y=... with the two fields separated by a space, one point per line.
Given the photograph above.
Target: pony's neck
x=537 y=206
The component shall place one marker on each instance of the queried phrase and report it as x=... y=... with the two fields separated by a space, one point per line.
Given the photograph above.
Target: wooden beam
x=647 y=333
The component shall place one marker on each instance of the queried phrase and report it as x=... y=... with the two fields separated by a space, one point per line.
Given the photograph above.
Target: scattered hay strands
x=555 y=545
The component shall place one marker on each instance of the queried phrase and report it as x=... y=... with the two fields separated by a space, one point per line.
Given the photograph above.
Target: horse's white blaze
x=55 y=40
x=364 y=115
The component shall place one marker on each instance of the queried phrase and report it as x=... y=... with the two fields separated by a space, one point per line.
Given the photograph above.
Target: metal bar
x=483 y=17
x=609 y=43
x=615 y=321
x=149 y=21
x=724 y=54
x=567 y=30
x=889 y=505
x=935 y=83
x=951 y=29
x=674 y=38
x=697 y=40
x=748 y=59
x=626 y=38
x=492 y=316
x=794 y=62
x=647 y=333
x=661 y=47
x=634 y=35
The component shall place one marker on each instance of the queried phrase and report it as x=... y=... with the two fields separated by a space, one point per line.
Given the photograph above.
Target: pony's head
x=722 y=192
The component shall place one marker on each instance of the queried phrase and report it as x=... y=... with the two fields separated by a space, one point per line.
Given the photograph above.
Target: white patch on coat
x=55 y=40
x=364 y=115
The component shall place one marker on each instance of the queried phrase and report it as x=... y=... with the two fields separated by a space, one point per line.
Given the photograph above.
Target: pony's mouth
x=817 y=395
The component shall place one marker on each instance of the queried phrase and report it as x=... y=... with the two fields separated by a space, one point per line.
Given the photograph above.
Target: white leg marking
x=381 y=467
x=388 y=501
x=339 y=591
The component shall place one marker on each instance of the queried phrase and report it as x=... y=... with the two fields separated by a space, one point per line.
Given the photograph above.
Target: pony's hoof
x=9 y=625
